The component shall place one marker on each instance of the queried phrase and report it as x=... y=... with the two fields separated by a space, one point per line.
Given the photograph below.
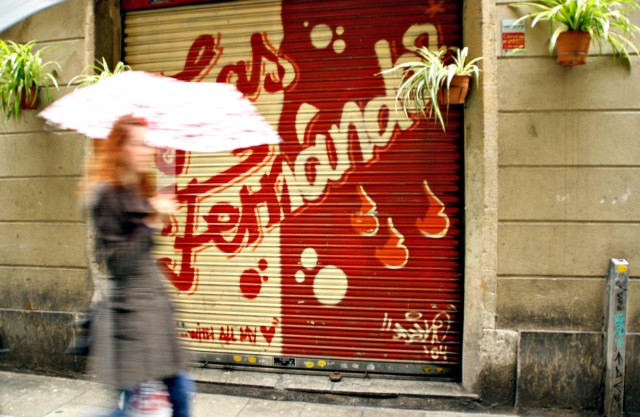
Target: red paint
x=268 y=333
x=227 y=334
x=250 y=284
x=378 y=241
x=172 y=162
x=204 y=52
x=249 y=83
x=184 y=276
x=371 y=197
x=248 y=335
x=201 y=333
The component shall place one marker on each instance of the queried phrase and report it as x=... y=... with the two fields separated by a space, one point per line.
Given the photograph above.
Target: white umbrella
x=202 y=117
x=13 y=11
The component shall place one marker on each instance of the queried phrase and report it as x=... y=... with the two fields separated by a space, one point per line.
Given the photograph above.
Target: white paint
x=309 y=258
x=339 y=46
x=330 y=285
x=321 y=36
x=303 y=119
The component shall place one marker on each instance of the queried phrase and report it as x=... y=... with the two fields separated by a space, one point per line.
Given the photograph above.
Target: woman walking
x=134 y=333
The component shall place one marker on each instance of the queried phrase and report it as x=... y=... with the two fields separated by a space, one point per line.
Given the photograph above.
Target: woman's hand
x=164 y=205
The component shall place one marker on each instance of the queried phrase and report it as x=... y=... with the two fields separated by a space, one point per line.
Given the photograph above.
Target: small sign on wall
x=512 y=37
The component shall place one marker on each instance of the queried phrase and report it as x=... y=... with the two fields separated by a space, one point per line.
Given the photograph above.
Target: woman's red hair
x=105 y=165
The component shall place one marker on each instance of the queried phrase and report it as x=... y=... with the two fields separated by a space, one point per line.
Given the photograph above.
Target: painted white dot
x=339 y=46
x=330 y=285
x=340 y=30
x=306 y=23
x=321 y=36
x=300 y=276
x=309 y=258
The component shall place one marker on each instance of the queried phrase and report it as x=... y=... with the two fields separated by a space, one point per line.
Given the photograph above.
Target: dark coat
x=134 y=332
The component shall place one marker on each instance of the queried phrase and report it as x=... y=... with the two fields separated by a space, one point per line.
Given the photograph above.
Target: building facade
x=367 y=241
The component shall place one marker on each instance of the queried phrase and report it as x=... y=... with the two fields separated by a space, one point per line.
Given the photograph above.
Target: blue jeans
x=180 y=387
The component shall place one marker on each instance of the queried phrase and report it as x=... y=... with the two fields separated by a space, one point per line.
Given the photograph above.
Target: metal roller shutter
x=341 y=249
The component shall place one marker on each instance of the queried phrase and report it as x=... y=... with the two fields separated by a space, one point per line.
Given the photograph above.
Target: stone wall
x=568 y=167
x=43 y=277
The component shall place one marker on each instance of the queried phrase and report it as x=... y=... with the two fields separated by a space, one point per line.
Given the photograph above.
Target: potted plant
x=97 y=73
x=439 y=78
x=23 y=72
x=574 y=23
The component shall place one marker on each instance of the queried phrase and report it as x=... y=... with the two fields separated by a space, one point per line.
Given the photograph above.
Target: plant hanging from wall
x=23 y=73
x=96 y=73
x=439 y=78
x=581 y=21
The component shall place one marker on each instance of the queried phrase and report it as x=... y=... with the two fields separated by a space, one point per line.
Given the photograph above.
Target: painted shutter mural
x=341 y=248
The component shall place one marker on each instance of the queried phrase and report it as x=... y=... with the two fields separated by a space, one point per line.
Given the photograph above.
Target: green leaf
x=422 y=80
x=93 y=74
x=605 y=20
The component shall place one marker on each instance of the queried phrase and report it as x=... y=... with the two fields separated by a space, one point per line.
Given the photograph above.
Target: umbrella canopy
x=12 y=11
x=201 y=117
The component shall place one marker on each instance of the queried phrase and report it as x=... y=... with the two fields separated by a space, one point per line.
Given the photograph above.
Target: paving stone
x=45 y=398
x=264 y=408
x=388 y=412
x=26 y=395
x=79 y=410
x=98 y=395
x=15 y=386
x=206 y=405
x=322 y=410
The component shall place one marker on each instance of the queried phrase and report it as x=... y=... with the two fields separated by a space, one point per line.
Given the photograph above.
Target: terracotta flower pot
x=32 y=102
x=573 y=47
x=457 y=92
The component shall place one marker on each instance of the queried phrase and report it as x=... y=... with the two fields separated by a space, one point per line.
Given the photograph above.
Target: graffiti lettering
x=247 y=334
x=233 y=228
x=251 y=84
x=227 y=334
x=435 y=7
x=617 y=396
x=203 y=54
x=206 y=50
x=201 y=333
x=232 y=334
x=427 y=334
x=431 y=333
x=286 y=188
x=183 y=275
x=620 y=330
x=618 y=334
x=436 y=352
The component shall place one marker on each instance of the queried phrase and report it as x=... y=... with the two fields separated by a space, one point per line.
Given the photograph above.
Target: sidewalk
x=28 y=395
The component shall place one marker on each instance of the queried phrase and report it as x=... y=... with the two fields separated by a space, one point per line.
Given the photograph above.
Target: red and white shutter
x=341 y=248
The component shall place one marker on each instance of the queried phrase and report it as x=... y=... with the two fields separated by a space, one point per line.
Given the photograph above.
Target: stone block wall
x=43 y=276
x=568 y=202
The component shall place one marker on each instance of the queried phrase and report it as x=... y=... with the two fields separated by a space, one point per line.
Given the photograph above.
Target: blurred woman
x=134 y=336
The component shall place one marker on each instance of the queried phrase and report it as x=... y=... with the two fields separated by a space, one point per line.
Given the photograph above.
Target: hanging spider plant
x=427 y=83
x=23 y=72
x=97 y=73
x=605 y=21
